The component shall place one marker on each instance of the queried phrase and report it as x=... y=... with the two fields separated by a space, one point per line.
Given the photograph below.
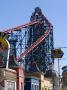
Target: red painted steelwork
x=21 y=26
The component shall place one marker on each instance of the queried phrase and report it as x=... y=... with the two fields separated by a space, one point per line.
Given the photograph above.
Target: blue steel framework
x=17 y=46
x=17 y=42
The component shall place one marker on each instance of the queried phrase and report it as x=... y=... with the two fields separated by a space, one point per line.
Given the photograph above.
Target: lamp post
x=57 y=53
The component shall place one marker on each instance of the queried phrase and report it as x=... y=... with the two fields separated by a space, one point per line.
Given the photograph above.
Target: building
x=20 y=78
x=8 y=79
x=13 y=77
x=43 y=82
x=64 y=78
x=31 y=83
x=13 y=64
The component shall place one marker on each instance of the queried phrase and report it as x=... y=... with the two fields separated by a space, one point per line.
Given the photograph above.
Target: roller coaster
x=23 y=29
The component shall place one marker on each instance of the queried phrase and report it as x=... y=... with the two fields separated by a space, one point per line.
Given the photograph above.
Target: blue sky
x=17 y=12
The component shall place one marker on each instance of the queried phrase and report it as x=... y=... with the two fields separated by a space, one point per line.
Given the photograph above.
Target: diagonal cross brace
x=39 y=40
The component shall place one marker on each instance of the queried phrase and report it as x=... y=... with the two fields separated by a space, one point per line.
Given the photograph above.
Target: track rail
x=39 y=40
x=21 y=26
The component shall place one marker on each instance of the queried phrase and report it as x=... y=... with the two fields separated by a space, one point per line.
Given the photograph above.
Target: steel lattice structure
x=33 y=42
x=38 y=58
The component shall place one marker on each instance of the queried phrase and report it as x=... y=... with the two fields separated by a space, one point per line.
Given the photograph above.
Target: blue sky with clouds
x=17 y=12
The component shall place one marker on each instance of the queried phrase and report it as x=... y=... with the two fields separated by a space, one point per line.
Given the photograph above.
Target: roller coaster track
x=38 y=41
x=21 y=26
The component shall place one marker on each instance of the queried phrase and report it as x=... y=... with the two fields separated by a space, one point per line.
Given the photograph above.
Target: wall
x=48 y=84
x=6 y=74
x=44 y=82
x=20 y=78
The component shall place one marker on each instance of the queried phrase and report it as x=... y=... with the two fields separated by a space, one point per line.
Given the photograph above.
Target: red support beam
x=21 y=26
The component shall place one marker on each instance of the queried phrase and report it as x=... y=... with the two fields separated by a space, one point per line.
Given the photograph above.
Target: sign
x=57 y=53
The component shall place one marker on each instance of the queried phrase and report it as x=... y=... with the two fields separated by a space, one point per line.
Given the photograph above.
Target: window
x=11 y=85
x=45 y=88
x=37 y=87
x=42 y=88
x=33 y=87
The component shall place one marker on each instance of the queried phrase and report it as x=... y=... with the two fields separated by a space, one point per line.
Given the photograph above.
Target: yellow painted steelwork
x=3 y=44
x=4 y=51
